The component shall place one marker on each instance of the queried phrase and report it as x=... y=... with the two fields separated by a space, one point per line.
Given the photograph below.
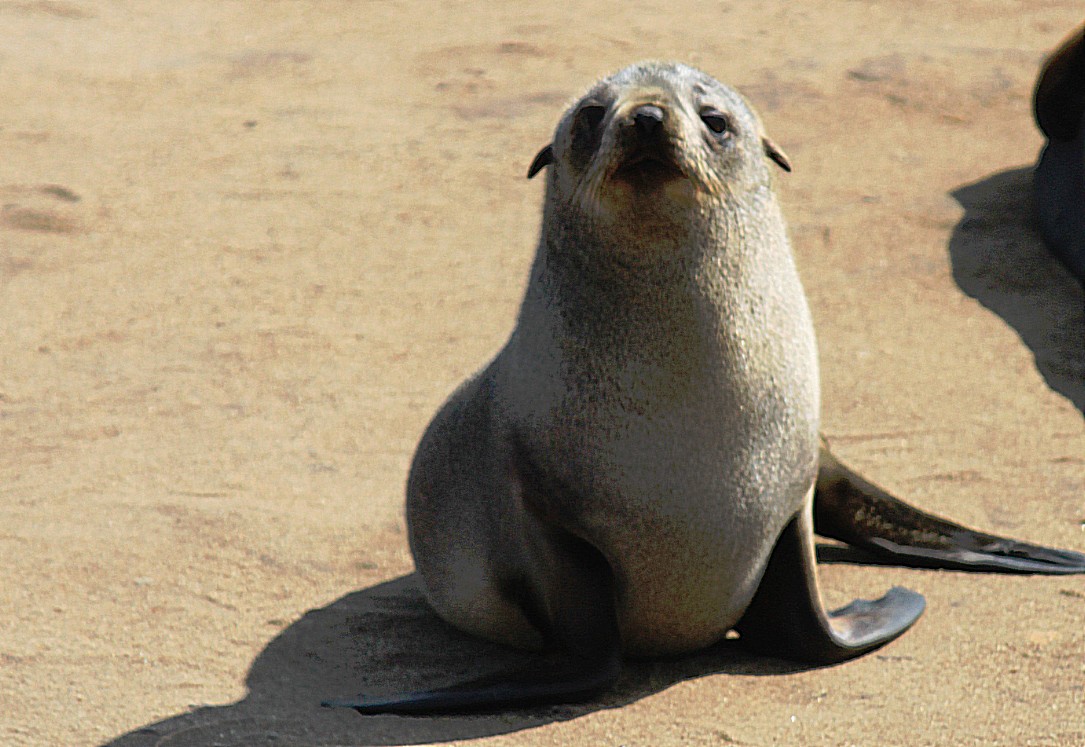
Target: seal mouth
x=647 y=169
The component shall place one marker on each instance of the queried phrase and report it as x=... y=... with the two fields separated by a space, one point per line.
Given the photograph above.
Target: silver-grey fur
x=662 y=370
x=634 y=472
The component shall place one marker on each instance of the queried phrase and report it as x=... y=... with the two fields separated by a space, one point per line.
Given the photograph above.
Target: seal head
x=652 y=137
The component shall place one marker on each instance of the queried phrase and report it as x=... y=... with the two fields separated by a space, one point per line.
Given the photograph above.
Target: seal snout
x=645 y=124
x=648 y=120
x=647 y=145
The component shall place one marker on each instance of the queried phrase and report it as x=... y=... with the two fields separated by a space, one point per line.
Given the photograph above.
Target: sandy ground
x=247 y=248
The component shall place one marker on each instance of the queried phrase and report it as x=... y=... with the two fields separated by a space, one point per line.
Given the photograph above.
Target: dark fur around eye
x=591 y=115
x=587 y=130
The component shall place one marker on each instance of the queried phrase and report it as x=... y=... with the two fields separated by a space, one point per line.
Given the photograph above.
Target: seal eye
x=716 y=121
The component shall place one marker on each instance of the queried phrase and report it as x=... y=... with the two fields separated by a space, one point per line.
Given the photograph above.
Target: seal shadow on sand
x=382 y=640
x=999 y=259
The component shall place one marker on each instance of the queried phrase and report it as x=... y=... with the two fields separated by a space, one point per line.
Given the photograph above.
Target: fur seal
x=634 y=472
x=1059 y=180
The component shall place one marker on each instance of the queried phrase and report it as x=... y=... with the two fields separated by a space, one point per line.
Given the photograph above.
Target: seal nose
x=647 y=119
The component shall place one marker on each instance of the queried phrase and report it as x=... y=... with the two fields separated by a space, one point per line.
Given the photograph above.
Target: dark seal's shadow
x=382 y=640
x=1000 y=260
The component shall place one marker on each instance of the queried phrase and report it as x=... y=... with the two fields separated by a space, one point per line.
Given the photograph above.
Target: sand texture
x=247 y=248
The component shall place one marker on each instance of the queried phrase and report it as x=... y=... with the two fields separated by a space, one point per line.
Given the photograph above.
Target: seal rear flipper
x=851 y=509
x=787 y=619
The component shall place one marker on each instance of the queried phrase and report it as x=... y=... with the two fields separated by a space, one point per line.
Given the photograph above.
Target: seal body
x=634 y=472
x=662 y=372
x=1059 y=179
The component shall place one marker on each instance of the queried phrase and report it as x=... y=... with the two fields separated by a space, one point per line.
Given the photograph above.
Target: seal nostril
x=647 y=119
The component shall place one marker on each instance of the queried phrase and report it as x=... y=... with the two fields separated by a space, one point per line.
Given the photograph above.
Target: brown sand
x=246 y=249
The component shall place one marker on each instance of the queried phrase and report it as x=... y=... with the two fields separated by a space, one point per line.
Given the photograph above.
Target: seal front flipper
x=572 y=601
x=589 y=664
x=851 y=509
x=544 y=682
x=787 y=619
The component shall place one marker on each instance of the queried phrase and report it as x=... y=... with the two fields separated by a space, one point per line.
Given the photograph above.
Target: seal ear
x=776 y=153
x=544 y=159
